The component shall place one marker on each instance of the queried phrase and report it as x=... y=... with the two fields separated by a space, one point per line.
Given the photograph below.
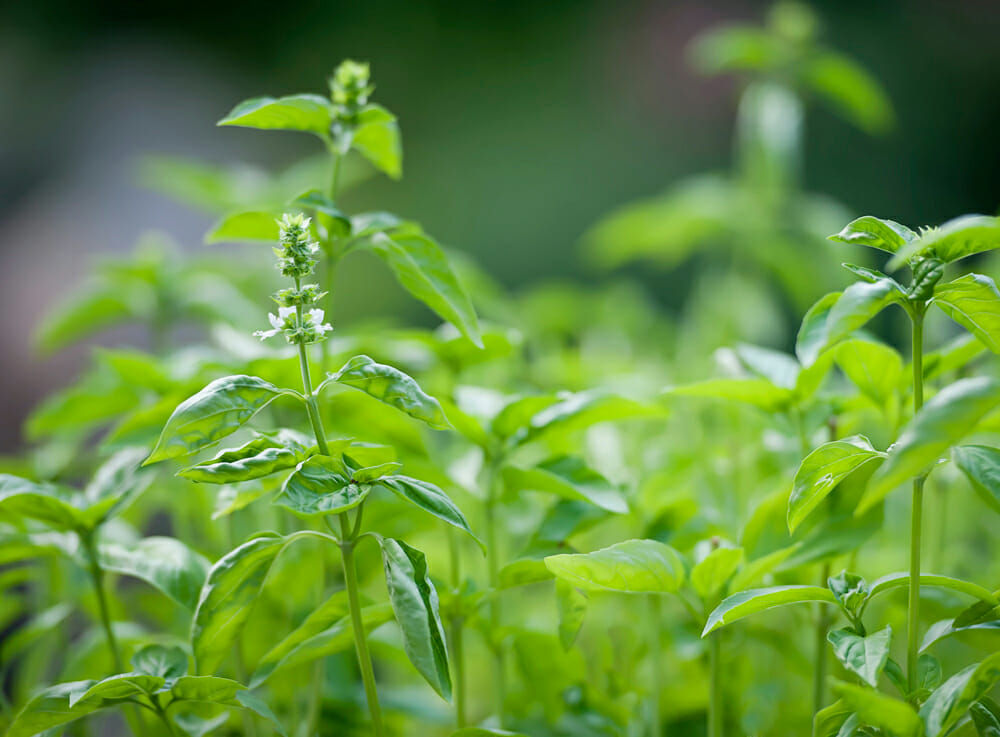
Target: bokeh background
x=524 y=123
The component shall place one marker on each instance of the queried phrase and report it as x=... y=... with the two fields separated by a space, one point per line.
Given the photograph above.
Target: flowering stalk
x=301 y=325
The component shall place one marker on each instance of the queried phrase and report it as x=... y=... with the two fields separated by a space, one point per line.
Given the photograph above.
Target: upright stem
x=714 y=685
x=331 y=260
x=357 y=624
x=913 y=605
x=347 y=553
x=493 y=569
x=822 y=624
x=656 y=655
x=97 y=578
x=456 y=631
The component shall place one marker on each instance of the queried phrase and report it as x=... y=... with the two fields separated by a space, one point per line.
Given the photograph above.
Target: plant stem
x=656 y=655
x=347 y=552
x=913 y=605
x=822 y=624
x=331 y=260
x=493 y=569
x=97 y=578
x=714 y=685
x=357 y=624
x=456 y=632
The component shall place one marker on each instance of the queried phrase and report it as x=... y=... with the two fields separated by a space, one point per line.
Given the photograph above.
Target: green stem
x=347 y=552
x=331 y=260
x=822 y=625
x=357 y=625
x=493 y=570
x=97 y=578
x=913 y=605
x=162 y=713
x=656 y=654
x=456 y=632
x=714 y=685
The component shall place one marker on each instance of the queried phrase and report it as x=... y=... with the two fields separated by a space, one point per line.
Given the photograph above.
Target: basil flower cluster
x=297 y=259
x=350 y=87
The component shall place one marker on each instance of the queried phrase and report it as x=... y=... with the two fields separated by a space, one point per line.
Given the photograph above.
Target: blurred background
x=524 y=124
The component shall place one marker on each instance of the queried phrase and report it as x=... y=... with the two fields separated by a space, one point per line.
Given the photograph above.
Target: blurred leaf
x=711 y=574
x=875 y=368
x=950 y=701
x=377 y=138
x=632 y=567
x=759 y=393
x=849 y=89
x=892 y=715
x=309 y=113
x=569 y=478
x=571 y=604
x=163 y=562
x=244 y=226
x=811 y=338
x=168 y=663
x=981 y=465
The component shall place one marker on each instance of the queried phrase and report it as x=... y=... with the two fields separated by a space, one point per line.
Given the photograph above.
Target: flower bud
x=297 y=251
x=350 y=85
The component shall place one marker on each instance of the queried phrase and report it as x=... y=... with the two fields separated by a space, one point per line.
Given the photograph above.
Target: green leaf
x=391 y=386
x=163 y=562
x=821 y=471
x=45 y=503
x=51 y=708
x=811 y=338
x=865 y=656
x=309 y=113
x=885 y=235
x=632 y=567
x=168 y=663
x=973 y=302
x=579 y=411
x=948 y=627
x=207 y=689
x=118 y=687
x=857 y=304
x=875 y=368
x=850 y=89
x=952 y=699
x=571 y=604
x=227 y=598
x=258 y=706
x=745 y=603
x=981 y=464
x=759 y=393
x=431 y=499
x=892 y=715
x=482 y=732
x=830 y=721
x=422 y=268
x=317 y=638
x=986 y=717
x=218 y=410
x=953 y=356
x=244 y=226
x=710 y=575
x=321 y=485
x=569 y=478
x=415 y=604
x=83 y=315
x=943 y=421
x=960 y=237
x=265 y=454
x=377 y=138
x=781 y=369
x=902 y=580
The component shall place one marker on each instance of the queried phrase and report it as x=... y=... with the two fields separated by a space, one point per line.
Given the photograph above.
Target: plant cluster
x=529 y=520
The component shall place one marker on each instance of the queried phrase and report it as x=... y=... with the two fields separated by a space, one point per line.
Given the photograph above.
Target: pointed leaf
x=822 y=470
x=168 y=663
x=711 y=574
x=218 y=410
x=265 y=454
x=745 y=603
x=942 y=422
x=415 y=604
x=875 y=368
x=321 y=485
x=952 y=699
x=571 y=604
x=377 y=138
x=431 y=499
x=423 y=270
x=892 y=715
x=392 y=386
x=953 y=240
x=811 y=338
x=309 y=113
x=865 y=656
x=885 y=235
x=51 y=708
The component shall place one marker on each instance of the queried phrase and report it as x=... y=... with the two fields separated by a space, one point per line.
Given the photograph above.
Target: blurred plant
x=757 y=218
